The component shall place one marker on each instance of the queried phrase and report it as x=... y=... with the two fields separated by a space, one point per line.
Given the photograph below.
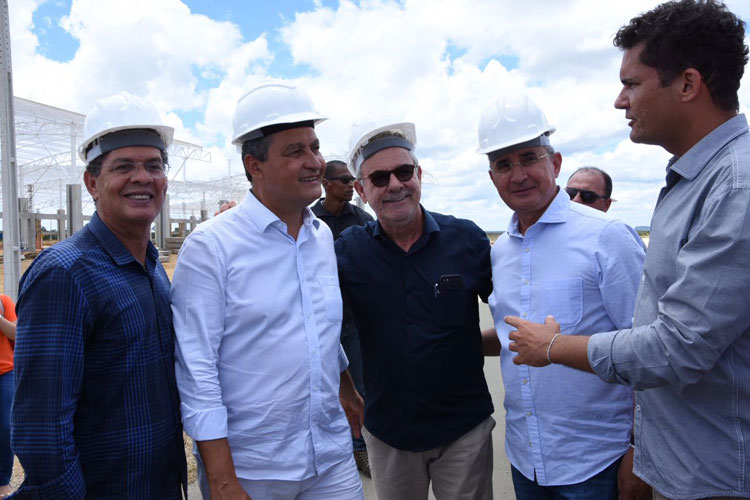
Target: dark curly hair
x=700 y=34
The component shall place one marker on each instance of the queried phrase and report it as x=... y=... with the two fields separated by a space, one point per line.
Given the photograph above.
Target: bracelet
x=549 y=347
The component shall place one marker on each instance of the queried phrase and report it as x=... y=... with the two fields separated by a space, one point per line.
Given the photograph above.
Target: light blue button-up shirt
x=689 y=353
x=257 y=317
x=583 y=268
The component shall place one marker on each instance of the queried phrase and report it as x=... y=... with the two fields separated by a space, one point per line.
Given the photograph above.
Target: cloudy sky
x=433 y=62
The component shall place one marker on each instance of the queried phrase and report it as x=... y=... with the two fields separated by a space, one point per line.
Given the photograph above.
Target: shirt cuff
x=343 y=360
x=204 y=425
x=600 y=355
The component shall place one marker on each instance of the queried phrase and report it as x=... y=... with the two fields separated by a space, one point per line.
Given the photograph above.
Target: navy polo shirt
x=420 y=336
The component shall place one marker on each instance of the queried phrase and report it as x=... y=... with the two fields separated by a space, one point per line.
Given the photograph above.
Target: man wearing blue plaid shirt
x=96 y=411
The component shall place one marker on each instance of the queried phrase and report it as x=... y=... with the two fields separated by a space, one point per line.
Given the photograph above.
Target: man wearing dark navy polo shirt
x=412 y=279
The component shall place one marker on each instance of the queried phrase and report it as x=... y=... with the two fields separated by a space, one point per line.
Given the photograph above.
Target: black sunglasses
x=381 y=178
x=346 y=179
x=588 y=197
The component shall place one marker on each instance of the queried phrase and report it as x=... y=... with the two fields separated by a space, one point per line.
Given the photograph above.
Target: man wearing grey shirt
x=688 y=354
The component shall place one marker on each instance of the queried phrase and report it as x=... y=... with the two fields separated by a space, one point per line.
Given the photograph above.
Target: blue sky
x=436 y=63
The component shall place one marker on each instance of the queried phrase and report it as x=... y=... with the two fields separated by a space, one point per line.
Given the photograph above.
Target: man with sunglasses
x=337 y=211
x=413 y=279
x=566 y=431
x=96 y=412
x=591 y=186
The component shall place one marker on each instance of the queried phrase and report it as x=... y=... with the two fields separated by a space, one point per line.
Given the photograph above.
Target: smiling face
x=653 y=110
x=397 y=203
x=529 y=189
x=128 y=197
x=289 y=180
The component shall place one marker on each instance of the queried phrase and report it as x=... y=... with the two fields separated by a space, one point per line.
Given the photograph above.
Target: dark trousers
x=602 y=486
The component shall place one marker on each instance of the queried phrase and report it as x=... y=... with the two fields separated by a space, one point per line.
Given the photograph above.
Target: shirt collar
x=556 y=213
x=262 y=217
x=694 y=161
x=113 y=246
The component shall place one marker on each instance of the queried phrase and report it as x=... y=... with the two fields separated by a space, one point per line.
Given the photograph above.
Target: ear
x=557 y=163
x=252 y=166
x=607 y=204
x=360 y=190
x=690 y=83
x=90 y=181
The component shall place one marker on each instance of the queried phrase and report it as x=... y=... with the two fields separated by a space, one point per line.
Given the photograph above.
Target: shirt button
x=637 y=407
x=525 y=381
x=525 y=282
x=529 y=444
x=523 y=315
x=528 y=413
x=527 y=249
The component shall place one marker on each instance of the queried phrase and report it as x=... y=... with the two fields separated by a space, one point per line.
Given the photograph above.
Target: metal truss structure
x=46 y=142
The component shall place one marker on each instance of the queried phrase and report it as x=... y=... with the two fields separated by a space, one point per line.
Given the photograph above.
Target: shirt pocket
x=329 y=284
x=563 y=299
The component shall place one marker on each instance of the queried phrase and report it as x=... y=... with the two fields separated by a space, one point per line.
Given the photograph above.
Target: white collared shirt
x=257 y=317
x=583 y=268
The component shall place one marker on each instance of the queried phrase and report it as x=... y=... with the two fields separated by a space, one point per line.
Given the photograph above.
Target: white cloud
x=434 y=63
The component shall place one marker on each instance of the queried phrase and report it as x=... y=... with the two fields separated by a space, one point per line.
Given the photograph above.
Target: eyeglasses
x=381 y=178
x=346 y=179
x=155 y=169
x=504 y=166
x=588 y=197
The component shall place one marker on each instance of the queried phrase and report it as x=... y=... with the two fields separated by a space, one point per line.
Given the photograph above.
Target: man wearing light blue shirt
x=257 y=315
x=688 y=353
x=566 y=431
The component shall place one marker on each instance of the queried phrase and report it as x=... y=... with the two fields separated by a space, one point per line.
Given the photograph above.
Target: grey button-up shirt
x=688 y=354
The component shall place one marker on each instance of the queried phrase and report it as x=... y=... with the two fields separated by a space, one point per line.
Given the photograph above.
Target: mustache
x=400 y=194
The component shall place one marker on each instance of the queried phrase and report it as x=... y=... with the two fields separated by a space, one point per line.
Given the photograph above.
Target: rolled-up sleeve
x=197 y=297
x=49 y=353
x=703 y=311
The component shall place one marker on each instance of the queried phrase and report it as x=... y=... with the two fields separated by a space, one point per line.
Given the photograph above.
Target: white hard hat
x=271 y=103
x=122 y=111
x=509 y=121
x=362 y=134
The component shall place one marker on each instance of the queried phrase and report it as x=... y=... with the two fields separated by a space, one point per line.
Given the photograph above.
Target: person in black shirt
x=336 y=211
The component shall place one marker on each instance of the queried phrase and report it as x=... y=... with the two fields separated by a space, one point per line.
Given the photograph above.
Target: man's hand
x=230 y=490
x=531 y=340
x=353 y=404
x=222 y=479
x=630 y=486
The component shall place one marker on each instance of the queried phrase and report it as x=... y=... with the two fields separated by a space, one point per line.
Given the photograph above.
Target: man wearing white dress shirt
x=567 y=432
x=257 y=314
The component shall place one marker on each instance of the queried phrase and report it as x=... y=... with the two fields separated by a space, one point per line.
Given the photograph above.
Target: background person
x=338 y=213
x=591 y=186
x=7 y=388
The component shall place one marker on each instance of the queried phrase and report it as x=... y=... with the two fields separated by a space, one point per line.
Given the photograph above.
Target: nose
x=621 y=100
x=140 y=174
x=517 y=173
x=577 y=198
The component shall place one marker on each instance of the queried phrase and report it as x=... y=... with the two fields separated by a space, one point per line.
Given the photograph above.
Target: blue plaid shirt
x=96 y=411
